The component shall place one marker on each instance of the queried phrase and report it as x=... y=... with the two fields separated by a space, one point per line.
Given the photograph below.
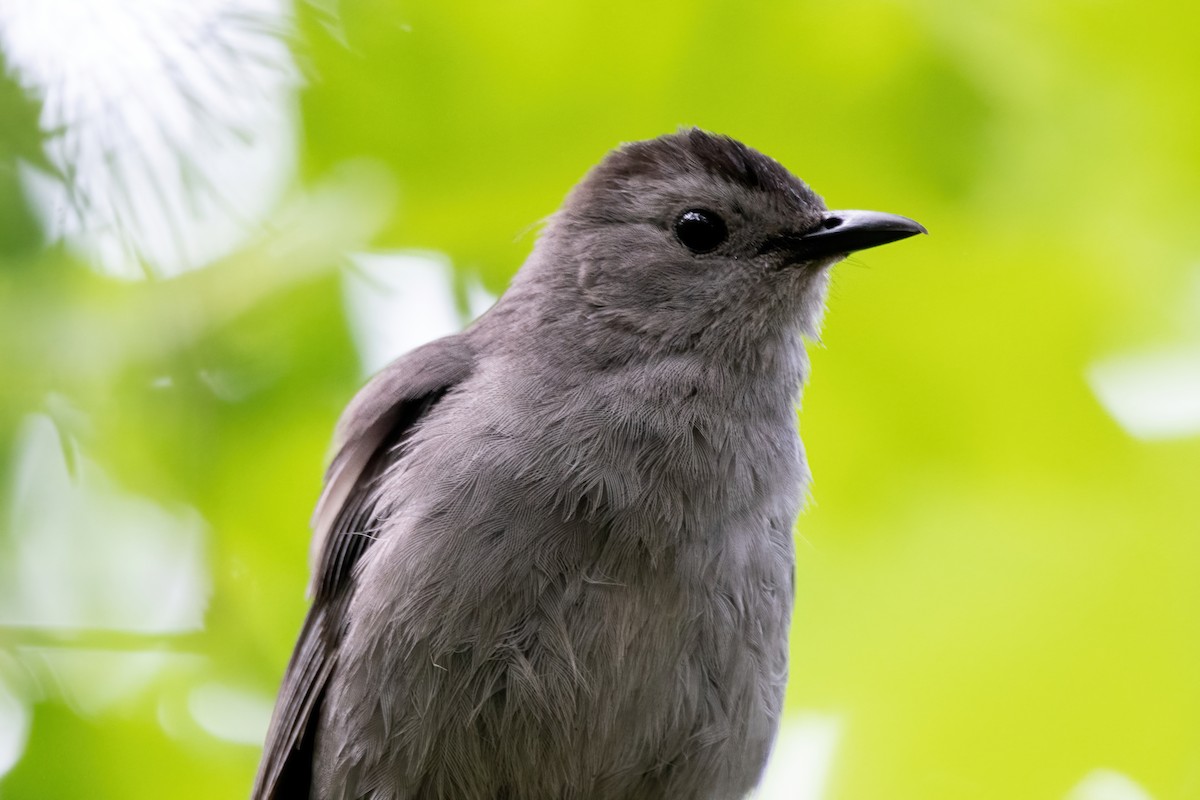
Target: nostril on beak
x=829 y=223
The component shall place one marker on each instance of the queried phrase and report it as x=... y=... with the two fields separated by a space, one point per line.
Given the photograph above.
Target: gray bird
x=553 y=558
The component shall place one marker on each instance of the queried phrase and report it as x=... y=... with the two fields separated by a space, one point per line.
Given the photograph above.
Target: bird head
x=694 y=238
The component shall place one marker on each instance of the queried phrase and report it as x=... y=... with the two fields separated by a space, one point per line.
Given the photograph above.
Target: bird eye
x=700 y=230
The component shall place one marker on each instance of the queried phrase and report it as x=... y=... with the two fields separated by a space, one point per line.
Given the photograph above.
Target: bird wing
x=371 y=431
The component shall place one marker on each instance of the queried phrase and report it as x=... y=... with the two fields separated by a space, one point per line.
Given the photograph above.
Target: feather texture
x=371 y=437
x=553 y=557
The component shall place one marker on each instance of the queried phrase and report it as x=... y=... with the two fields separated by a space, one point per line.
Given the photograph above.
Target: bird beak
x=842 y=232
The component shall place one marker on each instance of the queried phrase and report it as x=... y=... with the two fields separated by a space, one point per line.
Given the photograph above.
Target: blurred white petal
x=174 y=120
x=234 y=715
x=92 y=681
x=1107 y=784
x=479 y=299
x=14 y=728
x=86 y=555
x=801 y=761
x=398 y=301
x=1153 y=395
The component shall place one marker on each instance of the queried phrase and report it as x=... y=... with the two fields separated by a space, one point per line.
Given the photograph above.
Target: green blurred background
x=217 y=217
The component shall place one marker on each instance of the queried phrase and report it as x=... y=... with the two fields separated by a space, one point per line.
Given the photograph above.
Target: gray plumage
x=553 y=559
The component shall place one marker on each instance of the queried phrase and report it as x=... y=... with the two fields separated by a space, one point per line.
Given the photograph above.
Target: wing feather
x=370 y=437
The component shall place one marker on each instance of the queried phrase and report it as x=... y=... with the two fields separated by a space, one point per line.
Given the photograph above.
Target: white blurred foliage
x=174 y=123
x=231 y=714
x=1154 y=395
x=93 y=681
x=87 y=556
x=801 y=761
x=15 y=718
x=1107 y=784
x=398 y=301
